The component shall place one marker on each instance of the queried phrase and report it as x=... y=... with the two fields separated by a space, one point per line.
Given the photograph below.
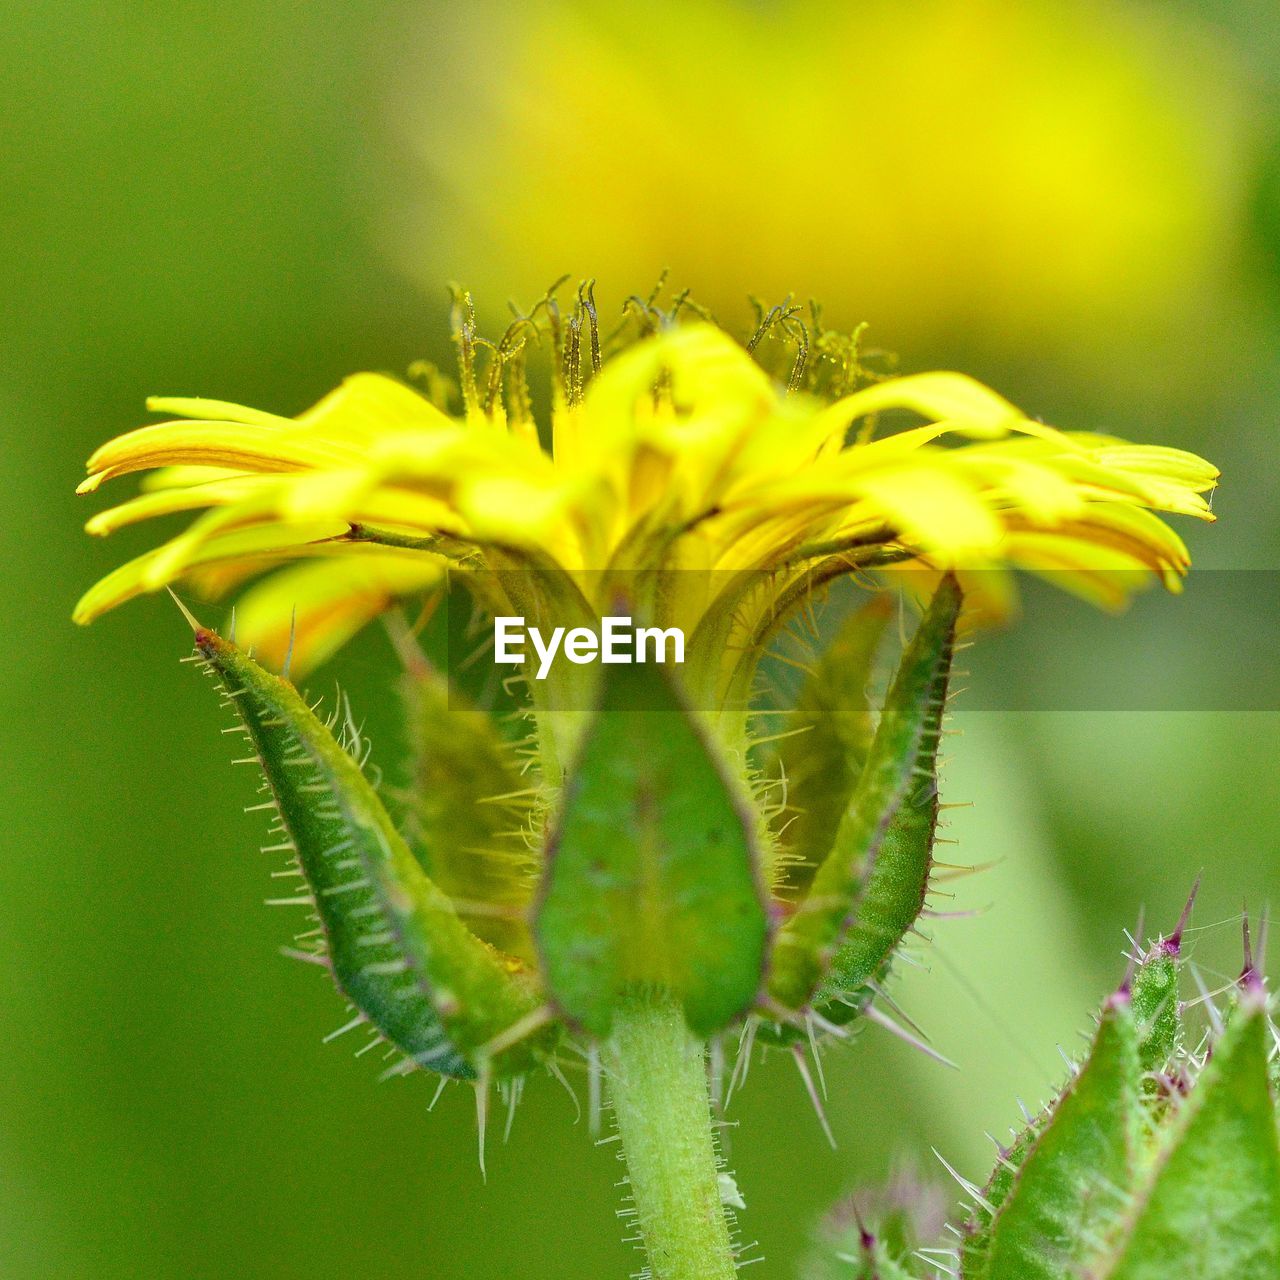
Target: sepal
x=393 y=941
x=652 y=875
x=871 y=886
x=471 y=815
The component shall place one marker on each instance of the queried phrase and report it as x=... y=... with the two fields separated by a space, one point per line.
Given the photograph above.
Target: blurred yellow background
x=1079 y=203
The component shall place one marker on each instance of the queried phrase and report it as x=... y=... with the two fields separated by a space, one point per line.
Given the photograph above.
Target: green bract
x=395 y=944
x=652 y=877
x=512 y=913
x=871 y=885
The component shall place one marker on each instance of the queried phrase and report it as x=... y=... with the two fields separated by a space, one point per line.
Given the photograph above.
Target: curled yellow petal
x=951 y=398
x=241 y=446
x=214 y=410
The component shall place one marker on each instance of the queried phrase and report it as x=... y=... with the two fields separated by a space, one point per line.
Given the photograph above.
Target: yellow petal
x=164 y=502
x=306 y=612
x=241 y=446
x=1104 y=576
x=368 y=405
x=215 y=411
x=949 y=398
x=933 y=509
x=136 y=577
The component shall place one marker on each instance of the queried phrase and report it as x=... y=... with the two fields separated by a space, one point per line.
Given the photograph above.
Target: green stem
x=658 y=1085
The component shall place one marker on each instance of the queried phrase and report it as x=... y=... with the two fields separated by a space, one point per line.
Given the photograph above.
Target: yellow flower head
x=674 y=470
x=1059 y=180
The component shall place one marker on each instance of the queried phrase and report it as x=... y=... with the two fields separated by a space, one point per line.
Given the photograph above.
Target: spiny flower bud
x=1116 y=1180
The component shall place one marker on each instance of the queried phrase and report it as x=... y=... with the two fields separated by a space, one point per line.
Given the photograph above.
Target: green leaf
x=828 y=737
x=898 y=778
x=471 y=811
x=652 y=875
x=1065 y=1190
x=1210 y=1208
x=396 y=947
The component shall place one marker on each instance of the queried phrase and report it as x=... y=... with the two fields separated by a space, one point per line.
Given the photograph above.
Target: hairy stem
x=658 y=1085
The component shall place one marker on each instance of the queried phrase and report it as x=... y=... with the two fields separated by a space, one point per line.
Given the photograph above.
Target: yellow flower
x=1059 y=181
x=677 y=474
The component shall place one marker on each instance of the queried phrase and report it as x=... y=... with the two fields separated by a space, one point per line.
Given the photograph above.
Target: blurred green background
x=1079 y=203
